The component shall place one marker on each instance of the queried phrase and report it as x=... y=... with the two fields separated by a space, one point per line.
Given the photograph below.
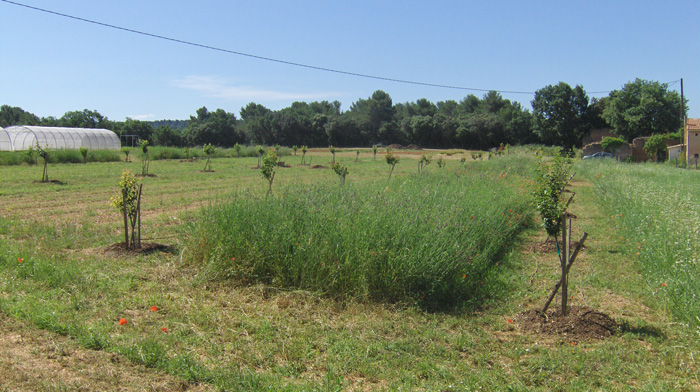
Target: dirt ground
x=37 y=360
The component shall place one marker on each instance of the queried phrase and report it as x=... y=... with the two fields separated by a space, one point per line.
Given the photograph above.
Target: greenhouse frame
x=21 y=137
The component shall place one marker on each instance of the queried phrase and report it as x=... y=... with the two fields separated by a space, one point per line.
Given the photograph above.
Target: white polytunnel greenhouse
x=20 y=137
x=5 y=143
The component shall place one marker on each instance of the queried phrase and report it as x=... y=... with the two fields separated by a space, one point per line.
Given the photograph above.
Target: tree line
x=562 y=115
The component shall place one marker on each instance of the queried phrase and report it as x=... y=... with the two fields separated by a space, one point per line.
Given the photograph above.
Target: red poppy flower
x=20 y=260
x=510 y=321
x=664 y=284
x=164 y=330
x=154 y=308
x=122 y=321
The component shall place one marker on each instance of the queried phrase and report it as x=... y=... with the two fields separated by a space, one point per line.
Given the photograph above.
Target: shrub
x=611 y=144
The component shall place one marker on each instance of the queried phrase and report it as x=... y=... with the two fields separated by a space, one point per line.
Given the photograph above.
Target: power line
x=286 y=62
x=314 y=67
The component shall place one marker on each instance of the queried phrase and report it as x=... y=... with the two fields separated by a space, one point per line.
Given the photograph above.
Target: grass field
x=285 y=316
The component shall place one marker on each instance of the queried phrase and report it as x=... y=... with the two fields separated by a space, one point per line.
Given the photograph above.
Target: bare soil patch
x=319 y=167
x=119 y=249
x=581 y=323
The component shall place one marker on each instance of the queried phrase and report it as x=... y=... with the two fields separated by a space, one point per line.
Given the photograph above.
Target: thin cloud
x=219 y=87
x=141 y=116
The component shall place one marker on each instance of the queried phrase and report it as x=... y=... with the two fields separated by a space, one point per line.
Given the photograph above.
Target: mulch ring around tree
x=319 y=167
x=146 y=248
x=581 y=323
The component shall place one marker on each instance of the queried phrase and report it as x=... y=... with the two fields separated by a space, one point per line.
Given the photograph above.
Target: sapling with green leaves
x=551 y=179
x=357 y=155
x=237 y=149
x=423 y=162
x=295 y=148
x=341 y=171
x=260 y=151
x=44 y=153
x=209 y=150
x=463 y=160
x=126 y=150
x=128 y=203
x=332 y=150
x=269 y=163
x=374 y=152
x=441 y=162
x=187 y=152
x=391 y=160
x=144 y=157
x=83 y=152
x=303 y=154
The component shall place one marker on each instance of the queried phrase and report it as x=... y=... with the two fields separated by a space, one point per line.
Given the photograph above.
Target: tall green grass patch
x=432 y=239
x=11 y=158
x=657 y=211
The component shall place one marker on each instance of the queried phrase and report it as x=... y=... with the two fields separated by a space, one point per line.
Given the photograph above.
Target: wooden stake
x=568 y=267
x=126 y=224
x=138 y=215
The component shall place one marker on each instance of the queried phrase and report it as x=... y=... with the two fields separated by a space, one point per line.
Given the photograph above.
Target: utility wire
x=314 y=67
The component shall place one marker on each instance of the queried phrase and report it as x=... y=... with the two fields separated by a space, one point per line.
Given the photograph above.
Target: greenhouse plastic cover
x=20 y=137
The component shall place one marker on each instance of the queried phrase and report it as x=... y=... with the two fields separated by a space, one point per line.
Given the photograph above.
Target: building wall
x=692 y=140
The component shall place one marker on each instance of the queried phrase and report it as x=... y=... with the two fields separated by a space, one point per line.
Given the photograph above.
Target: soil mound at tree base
x=579 y=323
x=146 y=248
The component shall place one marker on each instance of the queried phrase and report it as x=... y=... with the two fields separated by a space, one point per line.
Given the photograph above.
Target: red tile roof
x=693 y=124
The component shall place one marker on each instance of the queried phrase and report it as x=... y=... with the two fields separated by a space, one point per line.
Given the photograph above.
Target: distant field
x=413 y=283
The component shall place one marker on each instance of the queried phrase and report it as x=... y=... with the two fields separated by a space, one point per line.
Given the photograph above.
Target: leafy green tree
x=139 y=128
x=549 y=185
x=127 y=202
x=126 y=151
x=423 y=162
x=303 y=154
x=260 y=151
x=441 y=163
x=341 y=171
x=391 y=160
x=373 y=112
x=85 y=119
x=269 y=163
x=560 y=115
x=257 y=123
x=83 y=152
x=165 y=135
x=643 y=108
x=209 y=150
x=45 y=154
x=654 y=145
x=237 y=149
x=145 y=162
x=295 y=148
x=13 y=115
x=374 y=152
x=218 y=128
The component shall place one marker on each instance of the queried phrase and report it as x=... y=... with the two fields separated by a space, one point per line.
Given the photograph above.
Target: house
x=692 y=140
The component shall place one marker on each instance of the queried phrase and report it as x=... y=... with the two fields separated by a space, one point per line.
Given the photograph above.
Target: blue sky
x=51 y=64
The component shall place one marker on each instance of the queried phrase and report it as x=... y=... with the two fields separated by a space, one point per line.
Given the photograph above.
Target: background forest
x=561 y=115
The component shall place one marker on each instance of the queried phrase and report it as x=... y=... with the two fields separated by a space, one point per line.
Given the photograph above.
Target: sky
x=51 y=64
